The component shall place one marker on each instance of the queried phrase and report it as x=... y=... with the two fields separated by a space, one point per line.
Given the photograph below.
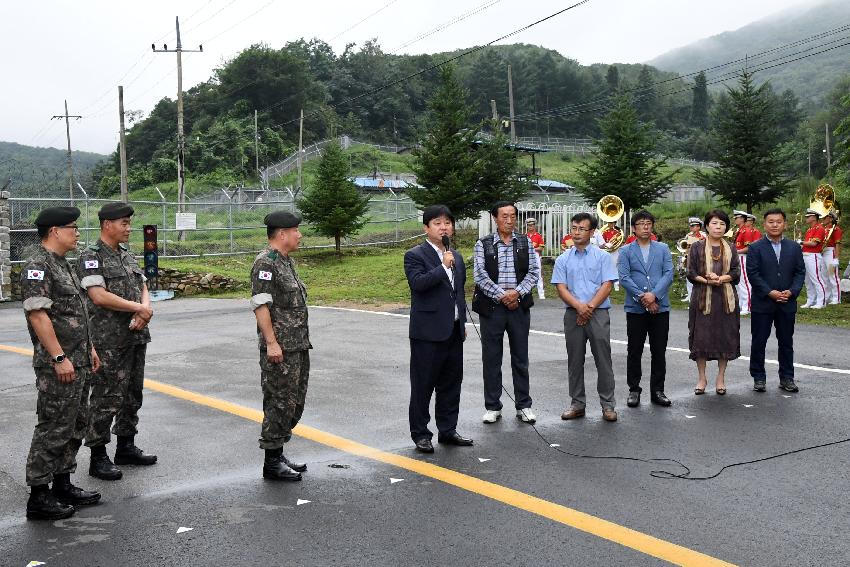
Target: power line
x=375 y=13
x=447 y=24
x=260 y=9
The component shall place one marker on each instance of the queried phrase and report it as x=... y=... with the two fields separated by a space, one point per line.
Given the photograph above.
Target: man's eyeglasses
x=580 y=229
x=73 y=226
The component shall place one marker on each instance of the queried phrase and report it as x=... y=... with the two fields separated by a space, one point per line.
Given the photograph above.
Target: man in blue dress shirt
x=584 y=276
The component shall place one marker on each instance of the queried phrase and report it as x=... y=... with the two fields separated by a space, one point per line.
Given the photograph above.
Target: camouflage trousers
x=116 y=393
x=62 y=411
x=284 y=391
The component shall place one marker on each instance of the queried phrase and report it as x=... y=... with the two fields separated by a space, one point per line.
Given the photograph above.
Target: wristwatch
x=59 y=358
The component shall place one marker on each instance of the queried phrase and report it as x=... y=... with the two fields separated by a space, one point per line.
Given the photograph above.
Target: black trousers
x=435 y=366
x=760 y=324
x=657 y=327
x=493 y=328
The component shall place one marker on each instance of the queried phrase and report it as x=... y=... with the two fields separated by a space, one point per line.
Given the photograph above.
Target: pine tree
x=746 y=146
x=612 y=77
x=454 y=166
x=699 y=106
x=646 y=98
x=333 y=206
x=625 y=164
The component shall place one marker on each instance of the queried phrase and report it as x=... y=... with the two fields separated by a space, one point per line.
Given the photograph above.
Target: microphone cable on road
x=685 y=474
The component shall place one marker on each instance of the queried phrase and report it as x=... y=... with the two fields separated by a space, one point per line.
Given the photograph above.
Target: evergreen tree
x=699 y=106
x=456 y=168
x=624 y=163
x=746 y=147
x=612 y=77
x=333 y=206
x=646 y=98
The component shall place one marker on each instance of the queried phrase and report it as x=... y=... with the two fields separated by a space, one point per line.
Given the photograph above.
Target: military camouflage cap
x=57 y=216
x=282 y=219
x=114 y=211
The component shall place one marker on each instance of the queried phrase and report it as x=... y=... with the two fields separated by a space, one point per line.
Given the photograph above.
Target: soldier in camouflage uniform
x=63 y=358
x=279 y=301
x=120 y=311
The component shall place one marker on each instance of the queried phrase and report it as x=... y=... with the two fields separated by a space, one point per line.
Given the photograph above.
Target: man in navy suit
x=436 y=276
x=776 y=270
x=646 y=272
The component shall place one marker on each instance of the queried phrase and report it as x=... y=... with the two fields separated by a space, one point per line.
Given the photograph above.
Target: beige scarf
x=726 y=262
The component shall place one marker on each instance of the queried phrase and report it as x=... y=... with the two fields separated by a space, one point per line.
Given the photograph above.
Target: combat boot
x=67 y=493
x=300 y=467
x=42 y=505
x=275 y=469
x=101 y=467
x=128 y=454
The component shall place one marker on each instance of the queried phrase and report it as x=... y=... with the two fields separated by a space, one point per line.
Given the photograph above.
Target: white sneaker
x=491 y=416
x=806 y=306
x=818 y=306
x=834 y=302
x=526 y=415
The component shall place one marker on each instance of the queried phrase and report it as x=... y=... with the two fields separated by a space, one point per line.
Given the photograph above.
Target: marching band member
x=831 y=253
x=608 y=234
x=695 y=233
x=743 y=238
x=812 y=249
x=537 y=241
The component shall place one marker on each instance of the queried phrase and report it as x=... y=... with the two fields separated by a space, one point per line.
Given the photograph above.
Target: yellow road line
x=644 y=543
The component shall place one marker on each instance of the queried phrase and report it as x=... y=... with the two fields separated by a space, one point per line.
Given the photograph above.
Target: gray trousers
x=597 y=331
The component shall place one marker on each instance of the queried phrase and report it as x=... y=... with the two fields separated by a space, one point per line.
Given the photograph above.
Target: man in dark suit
x=436 y=276
x=777 y=272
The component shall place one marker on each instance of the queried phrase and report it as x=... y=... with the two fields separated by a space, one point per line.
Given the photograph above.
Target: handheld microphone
x=446 y=244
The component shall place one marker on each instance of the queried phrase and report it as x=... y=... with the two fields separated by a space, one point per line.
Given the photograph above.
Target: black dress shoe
x=455 y=438
x=660 y=399
x=634 y=399
x=67 y=493
x=424 y=445
x=300 y=467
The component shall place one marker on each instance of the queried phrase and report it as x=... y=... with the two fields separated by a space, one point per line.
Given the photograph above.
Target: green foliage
x=624 y=163
x=34 y=172
x=454 y=167
x=746 y=146
x=700 y=103
x=333 y=206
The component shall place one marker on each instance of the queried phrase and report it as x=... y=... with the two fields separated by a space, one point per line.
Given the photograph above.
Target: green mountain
x=31 y=171
x=809 y=77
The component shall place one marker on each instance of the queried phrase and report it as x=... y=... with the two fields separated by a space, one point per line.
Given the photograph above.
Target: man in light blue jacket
x=645 y=268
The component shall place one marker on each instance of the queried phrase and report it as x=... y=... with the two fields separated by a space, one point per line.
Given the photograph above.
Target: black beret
x=282 y=219
x=114 y=211
x=57 y=216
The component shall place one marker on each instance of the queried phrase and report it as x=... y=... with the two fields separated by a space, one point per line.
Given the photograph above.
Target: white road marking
x=299 y=502
x=181 y=530
x=748 y=405
x=784 y=396
x=690 y=416
x=554 y=445
x=35 y=563
x=482 y=460
x=614 y=341
x=395 y=480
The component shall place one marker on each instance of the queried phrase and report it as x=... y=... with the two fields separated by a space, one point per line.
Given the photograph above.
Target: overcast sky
x=81 y=50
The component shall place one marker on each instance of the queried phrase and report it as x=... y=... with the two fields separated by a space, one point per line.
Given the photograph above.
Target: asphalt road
x=787 y=511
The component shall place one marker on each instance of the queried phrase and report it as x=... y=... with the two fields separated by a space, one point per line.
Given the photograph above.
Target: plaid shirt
x=507 y=271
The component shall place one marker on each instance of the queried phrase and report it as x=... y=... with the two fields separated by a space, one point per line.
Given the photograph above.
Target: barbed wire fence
x=228 y=223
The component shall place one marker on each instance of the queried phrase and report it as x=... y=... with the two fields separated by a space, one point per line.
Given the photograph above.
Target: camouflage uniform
x=116 y=391
x=275 y=283
x=48 y=283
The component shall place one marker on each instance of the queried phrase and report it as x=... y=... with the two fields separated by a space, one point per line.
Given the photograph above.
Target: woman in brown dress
x=714 y=317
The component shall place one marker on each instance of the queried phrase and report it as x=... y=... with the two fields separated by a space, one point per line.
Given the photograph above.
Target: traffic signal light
x=151 y=251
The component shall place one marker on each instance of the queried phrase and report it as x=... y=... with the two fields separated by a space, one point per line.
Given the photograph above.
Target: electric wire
x=375 y=13
x=445 y=25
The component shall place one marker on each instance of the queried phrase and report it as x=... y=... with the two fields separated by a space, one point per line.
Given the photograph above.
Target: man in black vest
x=504 y=278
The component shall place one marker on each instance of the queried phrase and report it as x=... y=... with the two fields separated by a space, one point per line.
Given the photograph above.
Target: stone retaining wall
x=5 y=257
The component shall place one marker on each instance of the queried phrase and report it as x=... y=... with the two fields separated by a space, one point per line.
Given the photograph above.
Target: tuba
x=609 y=209
x=824 y=200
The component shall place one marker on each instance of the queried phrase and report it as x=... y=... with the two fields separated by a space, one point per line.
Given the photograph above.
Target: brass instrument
x=610 y=208
x=824 y=200
x=685 y=244
x=730 y=233
x=798 y=220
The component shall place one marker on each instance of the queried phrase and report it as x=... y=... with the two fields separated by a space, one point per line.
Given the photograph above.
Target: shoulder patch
x=273 y=255
x=122 y=246
x=263 y=275
x=91 y=264
x=35 y=274
x=95 y=247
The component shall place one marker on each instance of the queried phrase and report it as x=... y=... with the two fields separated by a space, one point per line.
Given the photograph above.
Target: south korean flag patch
x=92 y=264
x=265 y=276
x=35 y=274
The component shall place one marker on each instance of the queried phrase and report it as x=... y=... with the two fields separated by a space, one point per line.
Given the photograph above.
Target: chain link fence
x=231 y=223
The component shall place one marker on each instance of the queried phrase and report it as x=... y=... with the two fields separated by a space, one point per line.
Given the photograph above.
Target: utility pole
x=511 y=105
x=122 y=148
x=181 y=141
x=493 y=108
x=66 y=116
x=300 y=147
x=256 y=145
